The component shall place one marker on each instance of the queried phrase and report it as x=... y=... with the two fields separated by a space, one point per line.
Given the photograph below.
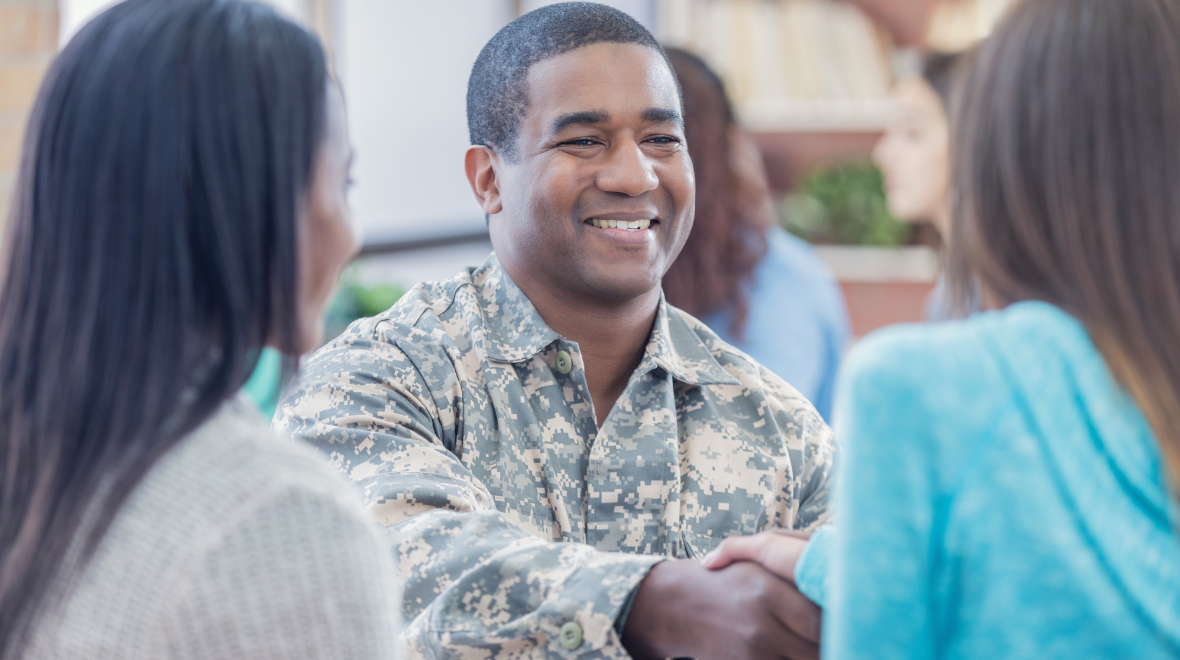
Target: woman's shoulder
x=964 y=344
x=236 y=440
x=920 y=403
x=235 y=460
x=222 y=476
x=946 y=368
x=920 y=350
x=957 y=375
x=231 y=510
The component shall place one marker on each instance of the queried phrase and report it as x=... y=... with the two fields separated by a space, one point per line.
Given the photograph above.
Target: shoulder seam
x=450 y=300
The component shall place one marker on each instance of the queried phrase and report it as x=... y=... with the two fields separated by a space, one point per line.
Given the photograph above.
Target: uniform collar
x=515 y=331
x=677 y=348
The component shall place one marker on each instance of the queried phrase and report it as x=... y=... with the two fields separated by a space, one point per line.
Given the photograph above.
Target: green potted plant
x=884 y=274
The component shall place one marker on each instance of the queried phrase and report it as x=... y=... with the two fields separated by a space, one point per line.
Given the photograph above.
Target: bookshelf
x=816 y=115
x=789 y=65
x=810 y=79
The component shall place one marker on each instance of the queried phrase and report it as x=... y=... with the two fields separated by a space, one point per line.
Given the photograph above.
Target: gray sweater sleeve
x=301 y=575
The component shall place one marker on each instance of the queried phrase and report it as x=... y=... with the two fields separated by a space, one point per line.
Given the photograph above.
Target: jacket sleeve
x=820 y=455
x=475 y=584
x=814 y=454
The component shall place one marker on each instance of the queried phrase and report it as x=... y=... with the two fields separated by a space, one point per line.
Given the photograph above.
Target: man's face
x=602 y=143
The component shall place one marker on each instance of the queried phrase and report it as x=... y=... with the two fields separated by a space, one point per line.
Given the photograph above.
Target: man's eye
x=582 y=142
x=664 y=139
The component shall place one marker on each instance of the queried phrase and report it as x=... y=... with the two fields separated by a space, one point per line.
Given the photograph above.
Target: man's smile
x=625 y=225
x=625 y=229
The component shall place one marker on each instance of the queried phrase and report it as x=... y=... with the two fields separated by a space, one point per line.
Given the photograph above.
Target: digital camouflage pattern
x=469 y=425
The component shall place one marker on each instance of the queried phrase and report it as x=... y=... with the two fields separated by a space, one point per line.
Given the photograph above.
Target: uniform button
x=571 y=635
x=564 y=364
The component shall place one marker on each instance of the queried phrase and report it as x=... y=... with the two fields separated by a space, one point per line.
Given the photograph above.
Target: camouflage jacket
x=521 y=527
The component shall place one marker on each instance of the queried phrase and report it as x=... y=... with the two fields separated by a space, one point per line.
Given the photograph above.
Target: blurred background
x=809 y=79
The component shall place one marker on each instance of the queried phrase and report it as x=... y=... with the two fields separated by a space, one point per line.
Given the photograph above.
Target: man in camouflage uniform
x=541 y=431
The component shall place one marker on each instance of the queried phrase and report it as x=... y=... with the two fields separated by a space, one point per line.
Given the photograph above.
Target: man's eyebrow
x=585 y=118
x=656 y=115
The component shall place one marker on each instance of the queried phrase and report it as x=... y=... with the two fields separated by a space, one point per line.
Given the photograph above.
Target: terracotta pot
x=882 y=286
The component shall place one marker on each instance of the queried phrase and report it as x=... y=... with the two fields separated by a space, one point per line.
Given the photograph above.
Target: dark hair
x=497 y=91
x=152 y=254
x=1067 y=182
x=943 y=71
x=728 y=236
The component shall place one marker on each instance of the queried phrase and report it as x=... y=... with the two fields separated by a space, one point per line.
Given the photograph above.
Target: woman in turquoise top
x=1004 y=491
x=1002 y=497
x=1005 y=486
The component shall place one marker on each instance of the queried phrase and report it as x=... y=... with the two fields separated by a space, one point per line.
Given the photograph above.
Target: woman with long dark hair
x=180 y=206
x=759 y=288
x=1008 y=485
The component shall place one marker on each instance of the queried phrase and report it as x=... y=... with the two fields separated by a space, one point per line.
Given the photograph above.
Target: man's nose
x=628 y=170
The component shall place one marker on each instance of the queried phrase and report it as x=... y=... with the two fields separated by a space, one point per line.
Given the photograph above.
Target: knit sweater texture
x=1001 y=496
x=235 y=545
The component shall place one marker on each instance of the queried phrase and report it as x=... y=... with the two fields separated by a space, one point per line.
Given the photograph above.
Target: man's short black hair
x=497 y=94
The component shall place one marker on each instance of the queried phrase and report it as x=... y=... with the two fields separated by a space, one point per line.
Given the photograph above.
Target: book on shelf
x=791 y=64
x=810 y=65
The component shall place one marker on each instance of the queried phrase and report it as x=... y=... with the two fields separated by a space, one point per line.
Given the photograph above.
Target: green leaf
x=843 y=204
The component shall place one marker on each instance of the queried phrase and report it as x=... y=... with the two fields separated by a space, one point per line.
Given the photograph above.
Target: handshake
x=739 y=603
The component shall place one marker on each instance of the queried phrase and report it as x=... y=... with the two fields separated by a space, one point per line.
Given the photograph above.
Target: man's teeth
x=629 y=225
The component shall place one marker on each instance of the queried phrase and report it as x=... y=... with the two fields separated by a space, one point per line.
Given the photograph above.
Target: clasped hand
x=739 y=603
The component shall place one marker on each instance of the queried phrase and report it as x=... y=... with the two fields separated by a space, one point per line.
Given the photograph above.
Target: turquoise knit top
x=1001 y=497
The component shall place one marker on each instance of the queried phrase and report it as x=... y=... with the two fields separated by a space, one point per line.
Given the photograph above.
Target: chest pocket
x=529 y=454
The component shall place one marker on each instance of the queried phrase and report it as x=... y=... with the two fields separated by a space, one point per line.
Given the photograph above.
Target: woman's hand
x=776 y=550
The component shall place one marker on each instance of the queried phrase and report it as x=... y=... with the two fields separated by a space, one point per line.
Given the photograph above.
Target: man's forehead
x=602 y=117
x=622 y=81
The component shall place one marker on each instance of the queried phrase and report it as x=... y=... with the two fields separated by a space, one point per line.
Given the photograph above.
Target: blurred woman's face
x=327 y=241
x=914 y=155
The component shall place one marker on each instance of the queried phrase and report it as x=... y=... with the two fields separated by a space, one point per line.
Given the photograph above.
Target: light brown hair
x=1067 y=182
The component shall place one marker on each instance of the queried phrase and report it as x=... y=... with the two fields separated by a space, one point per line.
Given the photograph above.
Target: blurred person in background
x=914 y=155
x=754 y=284
x=1009 y=481
x=181 y=205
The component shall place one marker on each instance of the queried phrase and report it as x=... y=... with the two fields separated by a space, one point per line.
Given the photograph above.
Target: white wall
x=643 y=11
x=404 y=67
x=75 y=13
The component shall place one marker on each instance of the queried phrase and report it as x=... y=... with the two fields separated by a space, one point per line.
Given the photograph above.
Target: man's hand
x=739 y=612
x=776 y=550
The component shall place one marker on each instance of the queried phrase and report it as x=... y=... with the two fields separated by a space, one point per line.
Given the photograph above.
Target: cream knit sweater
x=235 y=545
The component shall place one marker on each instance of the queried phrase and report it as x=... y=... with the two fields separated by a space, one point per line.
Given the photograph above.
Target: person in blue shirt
x=1008 y=484
x=757 y=286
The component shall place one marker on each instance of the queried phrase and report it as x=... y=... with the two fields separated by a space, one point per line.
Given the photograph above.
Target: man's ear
x=482 y=165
